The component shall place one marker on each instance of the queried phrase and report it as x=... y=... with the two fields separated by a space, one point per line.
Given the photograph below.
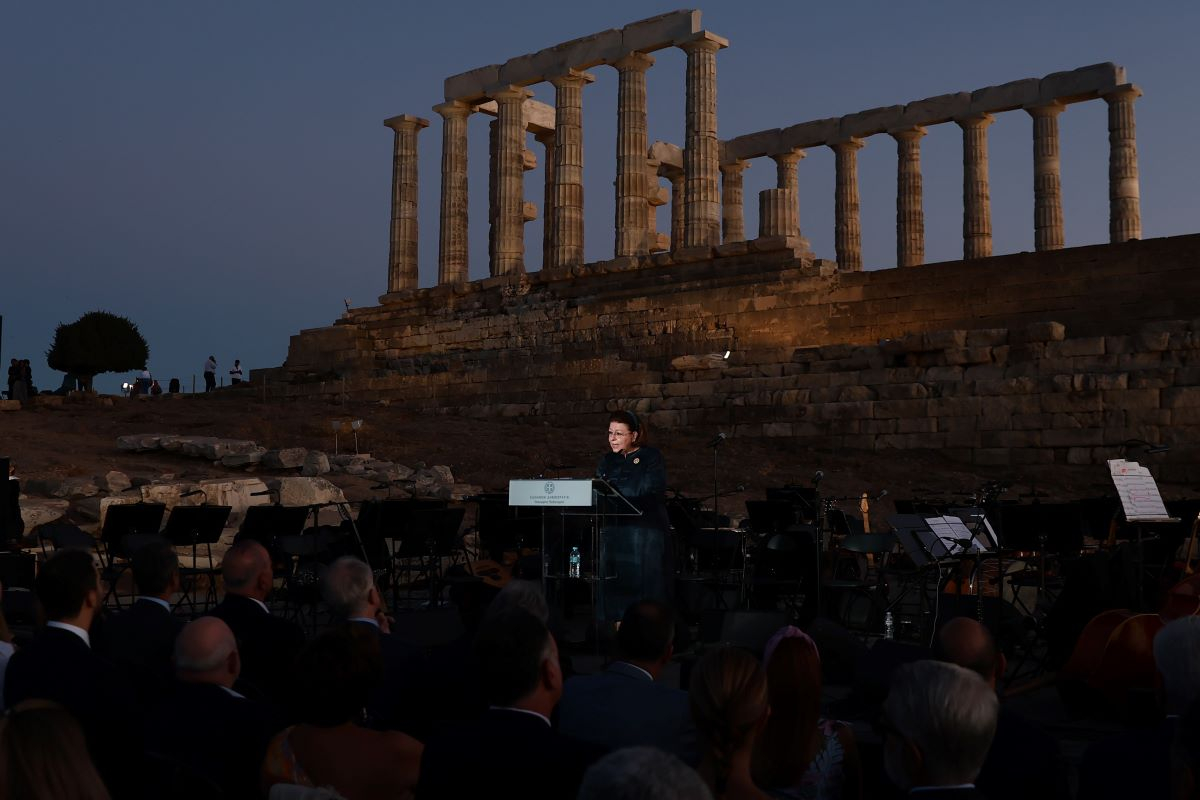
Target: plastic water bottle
x=889 y=626
x=573 y=563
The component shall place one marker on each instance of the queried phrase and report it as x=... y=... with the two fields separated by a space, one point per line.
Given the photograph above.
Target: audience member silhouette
x=938 y=723
x=268 y=644
x=625 y=706
x=518 y=667
x=1136 y=763
x=799 y=755
x=328 y=747
x=60 y=665
x=43 y=755
x=401 y=699
x=1024 y=760
x=642 y=773
x=728 y=699
x=1185 y=756
x=141 y=639
x=205 y=724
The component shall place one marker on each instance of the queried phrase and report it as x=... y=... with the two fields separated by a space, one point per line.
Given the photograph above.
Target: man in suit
x=625 y=706
x=204 y=723
x=518 y=665
x=1137 y=762
x=401 y=700
x=267 y=644
x=140 y=641
x=938 y=723
x=60 y=665
x=1024 y=760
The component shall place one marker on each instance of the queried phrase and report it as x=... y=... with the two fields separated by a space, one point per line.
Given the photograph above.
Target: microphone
x=817 y=476
x=881 y=495
x=716 y=442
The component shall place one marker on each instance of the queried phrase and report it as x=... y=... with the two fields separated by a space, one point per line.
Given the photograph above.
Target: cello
x=1114 y=656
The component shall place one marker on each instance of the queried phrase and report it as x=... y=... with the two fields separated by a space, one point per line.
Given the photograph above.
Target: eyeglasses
x=619 y=434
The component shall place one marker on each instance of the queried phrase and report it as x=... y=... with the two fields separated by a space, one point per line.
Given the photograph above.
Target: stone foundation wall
x=1027 y=358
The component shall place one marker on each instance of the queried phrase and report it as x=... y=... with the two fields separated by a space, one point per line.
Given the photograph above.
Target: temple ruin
x=818 y=349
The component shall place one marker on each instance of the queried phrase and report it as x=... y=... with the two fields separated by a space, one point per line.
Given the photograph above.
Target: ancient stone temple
x=1051 y=355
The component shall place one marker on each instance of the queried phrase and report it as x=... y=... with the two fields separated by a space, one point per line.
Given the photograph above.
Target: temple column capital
x=638 y=62
x=454 y=109
x=974 y=121
x=406 y=122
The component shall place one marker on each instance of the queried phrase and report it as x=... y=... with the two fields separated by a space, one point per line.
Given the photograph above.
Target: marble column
x=654 y=199
x=787 y=179
x=566 y=220
x=1047 y=178
x=977 y=204
x=701 y=154
x=508 y=167
x=632 y=187
x=777 y=212
x=676 y=177
x=1124 y=194
x=847 y=229
x=402 y=239
x=546 y=140
x=452 y=230
x=733 y=212
x=910 y=212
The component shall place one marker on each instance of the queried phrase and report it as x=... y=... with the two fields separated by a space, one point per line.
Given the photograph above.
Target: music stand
x=126 y=528
x=263 y=523
x=192 y=526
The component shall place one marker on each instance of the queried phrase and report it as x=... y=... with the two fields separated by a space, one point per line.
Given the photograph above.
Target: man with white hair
x=401 y=701
x=938 y=723
x=1137 y=763
x=642 y=773
x=205 y=723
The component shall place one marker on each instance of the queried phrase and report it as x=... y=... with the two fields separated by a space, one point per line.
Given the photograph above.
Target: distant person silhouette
x=210 y=374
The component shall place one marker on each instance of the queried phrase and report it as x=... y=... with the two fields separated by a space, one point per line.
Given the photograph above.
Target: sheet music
x=1138 y=491
x=947 y=529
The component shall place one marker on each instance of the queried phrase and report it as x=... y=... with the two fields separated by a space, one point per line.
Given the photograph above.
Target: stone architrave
x=546 y=140
x=566 y=220
x=402 y=241
x=1047 y=178
x=910 y=212
x=1124 y=193
x=508 y=167
x=977 y=205
x=453 y=224
x=733 y=212
x=633 y=186
x=701 y=154
x=788 y=179
x=676 y=177
x=847 y=228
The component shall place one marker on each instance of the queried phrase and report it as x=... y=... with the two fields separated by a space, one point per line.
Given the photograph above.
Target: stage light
x=726 y=356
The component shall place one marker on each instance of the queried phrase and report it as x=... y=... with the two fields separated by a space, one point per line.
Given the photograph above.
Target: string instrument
x=1187 y=557
x=864 y=505
x=1114 y=656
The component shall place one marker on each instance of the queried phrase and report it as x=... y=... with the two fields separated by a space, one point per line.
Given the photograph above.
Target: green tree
x=97 y=342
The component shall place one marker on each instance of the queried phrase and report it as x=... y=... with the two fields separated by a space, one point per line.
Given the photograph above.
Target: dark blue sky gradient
x=219 y=172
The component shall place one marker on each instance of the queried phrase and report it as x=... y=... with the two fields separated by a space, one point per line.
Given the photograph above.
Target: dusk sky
x=219 y=173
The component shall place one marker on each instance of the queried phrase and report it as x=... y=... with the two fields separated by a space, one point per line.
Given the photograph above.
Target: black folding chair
x=429 y=536
x=856 y=577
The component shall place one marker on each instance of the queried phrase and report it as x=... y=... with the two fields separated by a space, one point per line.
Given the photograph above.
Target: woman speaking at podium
x=635 y=547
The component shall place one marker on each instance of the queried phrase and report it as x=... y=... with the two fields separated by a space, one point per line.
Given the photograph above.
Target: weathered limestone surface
x=452 y=240
x=566 y=224
x=1124 y=194
x=977 y=209
x=402 y=247
x=846 y=224
x=632 y=184
x=701 y=154
x=733 y=212
x=508 y=169
x=1047 y=178
x=910 y=211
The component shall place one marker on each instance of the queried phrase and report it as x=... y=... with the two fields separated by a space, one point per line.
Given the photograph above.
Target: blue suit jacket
x=623 y=707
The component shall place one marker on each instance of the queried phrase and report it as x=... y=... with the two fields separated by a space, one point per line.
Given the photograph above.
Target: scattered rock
x=67 y=487
x=140 y=442
x=10 y=405
x=40 y=512
x=254 y=456
x=315 y=463
x=115 y=482
x=442 y=473
x=287 y=458
x=306 y=491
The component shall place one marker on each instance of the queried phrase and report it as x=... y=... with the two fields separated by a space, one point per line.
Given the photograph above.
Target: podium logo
x=549 y=487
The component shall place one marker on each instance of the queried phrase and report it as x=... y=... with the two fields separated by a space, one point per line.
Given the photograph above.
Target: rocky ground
x=67 y=455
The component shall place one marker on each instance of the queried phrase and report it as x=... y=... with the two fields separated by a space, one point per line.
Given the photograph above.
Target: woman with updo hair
x=635 y=547
x=728 y=697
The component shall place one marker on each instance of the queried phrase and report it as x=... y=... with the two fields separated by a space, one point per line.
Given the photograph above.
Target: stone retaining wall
x=1026 y=358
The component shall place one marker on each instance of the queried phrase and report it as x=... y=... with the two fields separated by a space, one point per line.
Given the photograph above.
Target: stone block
x=935 y=110
x=472 y=85
x=855 y=393
x=751 y=145
x=1070 y=348
x=1072 y=402
x=987 y=337
x=844 y=411
x=1152 y=341
x=1179 y=397
x=900 y=408
x=250 y=458
x=306 y=491
x=685 y=255
x=1080 y=437
x=871 y=121
x=1080 y=84
x=944 y=375
x=115 y=482
x=992 y=456
x=1038 y=332
x=10 y=405
x=1006 y=96
x=810 y=134
x=286 y=458
x=46 y=401
x=945 y=340
x=40 y=512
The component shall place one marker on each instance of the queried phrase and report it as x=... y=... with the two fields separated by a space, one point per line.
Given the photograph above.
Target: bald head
x=206 y=652
x=246 y=570
x=965 y=642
